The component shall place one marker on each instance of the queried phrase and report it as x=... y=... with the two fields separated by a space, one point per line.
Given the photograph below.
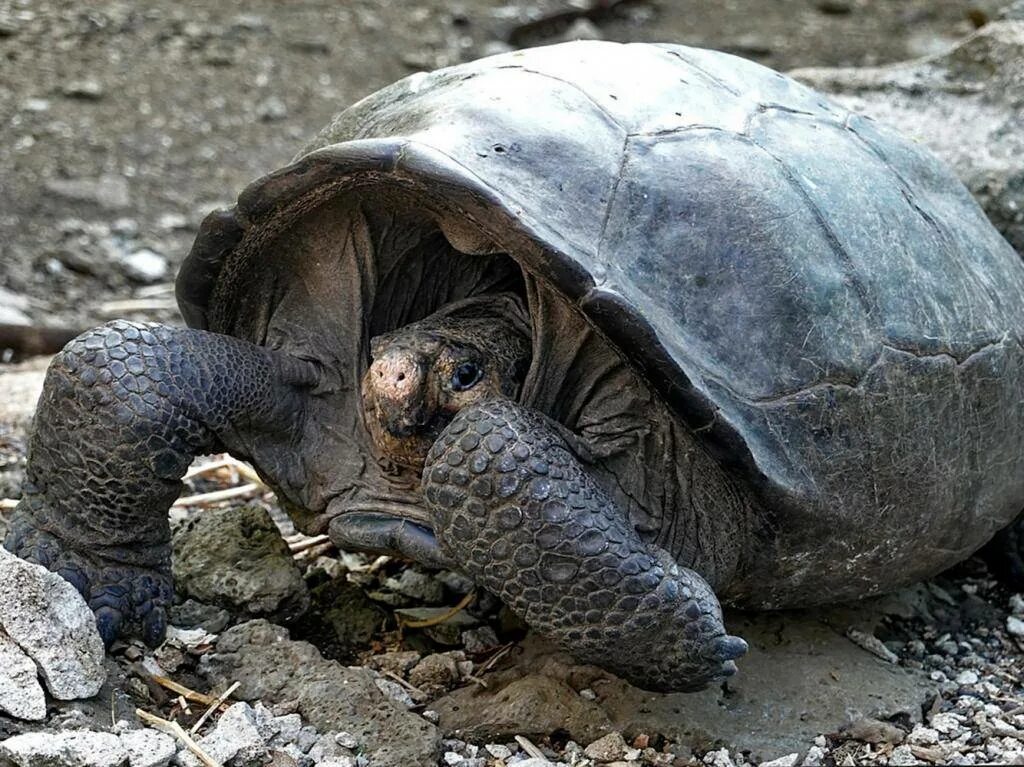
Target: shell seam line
x=703 y=72
x=852 y=387
x=575 y=86
x=833 y=239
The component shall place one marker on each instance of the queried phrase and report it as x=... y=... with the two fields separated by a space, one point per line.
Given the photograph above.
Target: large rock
x=534 y=705
x=236 y=736
x=802 y=677
x=48 y=619
x=148 y=748
x=273 y=668
x=20 y=693
x=236 y=559
x=967 y=105
x=67 y=748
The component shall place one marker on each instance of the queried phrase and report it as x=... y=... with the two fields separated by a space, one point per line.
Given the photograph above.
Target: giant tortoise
x=619 y=331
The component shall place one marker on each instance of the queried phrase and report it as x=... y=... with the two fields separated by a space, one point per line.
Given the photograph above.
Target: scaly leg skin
x=124 y=409
x=1005 y=554
x=516 y=508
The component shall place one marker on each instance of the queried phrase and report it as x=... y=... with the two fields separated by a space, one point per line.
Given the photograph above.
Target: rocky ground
x=122 y=125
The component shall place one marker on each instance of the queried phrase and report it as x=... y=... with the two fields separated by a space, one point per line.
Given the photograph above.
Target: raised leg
x=513 y=505
x=124 y=409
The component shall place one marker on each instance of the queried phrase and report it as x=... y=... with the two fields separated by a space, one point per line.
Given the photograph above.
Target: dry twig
x=218 y=495
x=213 y=707
x=184 y=691
x=462 y=605
x=529 y=748
x=6 y=504
x=173 y=728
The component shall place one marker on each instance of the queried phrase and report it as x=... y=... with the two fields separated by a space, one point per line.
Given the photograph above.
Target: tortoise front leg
x=513 y=505
x=125 y=407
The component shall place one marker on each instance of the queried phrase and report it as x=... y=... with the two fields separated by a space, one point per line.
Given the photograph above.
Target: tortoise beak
x=397 y=381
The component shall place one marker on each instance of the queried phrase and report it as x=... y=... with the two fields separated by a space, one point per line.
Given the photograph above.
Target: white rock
x=946 y=723
x=719 y=758
x=1015 y=626
x=339 y=761
x=789 y=760
x=346 y=740
x=902 y=756
x=967 y=677
x=498 y=751
x=923 y=736
x=21 y=695
x=145 y=265
x=13 y=308
x=814 y=757
x=235 y=736
x=148 y=748
x=48 y=619
x=169 y=221
x=1017 y=604
x=67 y=748
x=610 y=748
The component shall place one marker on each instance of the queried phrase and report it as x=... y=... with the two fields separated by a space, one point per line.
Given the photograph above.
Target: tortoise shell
x=819 y=300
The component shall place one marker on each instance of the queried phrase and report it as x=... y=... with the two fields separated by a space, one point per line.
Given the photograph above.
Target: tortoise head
x=421 y=375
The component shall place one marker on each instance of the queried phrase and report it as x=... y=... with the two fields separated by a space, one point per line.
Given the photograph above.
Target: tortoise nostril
x=401 y=376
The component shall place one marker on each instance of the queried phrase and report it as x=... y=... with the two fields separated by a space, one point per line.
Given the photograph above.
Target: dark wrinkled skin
x=124 y=410
x=126 y=407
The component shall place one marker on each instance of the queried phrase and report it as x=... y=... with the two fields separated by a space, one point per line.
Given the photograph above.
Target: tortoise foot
x=521 y=515
x=126 y=598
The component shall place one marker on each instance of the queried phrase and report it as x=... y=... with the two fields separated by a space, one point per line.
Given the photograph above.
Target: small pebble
x=1015 y=626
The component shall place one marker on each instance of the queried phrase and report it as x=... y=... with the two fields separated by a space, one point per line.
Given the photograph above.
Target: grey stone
x=236 y=736
x=236 y=559
x=192 y=614
x=343 y=619
x=394 y=691
x=437 y=673
x=800 y=678
x=1013 y=12
x=581 y=29
x=608 y=748
x=789 y=760
x=328 y=695
x=13 y=308
x=967 y=105
x=1015 y=626
x=417 y=585
x=903 y=756
x=21 y=695
x=64 y=748
x=271 y=109
x=144 y=266
x=109 y=192
x=86 y=90
x=479 y=640
x=148 y=748
x=48 y=619
x=534 y=705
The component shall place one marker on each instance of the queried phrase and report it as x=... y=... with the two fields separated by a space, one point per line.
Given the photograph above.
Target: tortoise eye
x=466 y=376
